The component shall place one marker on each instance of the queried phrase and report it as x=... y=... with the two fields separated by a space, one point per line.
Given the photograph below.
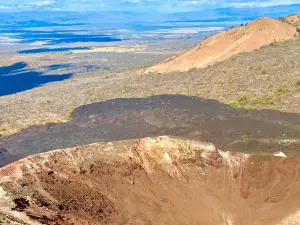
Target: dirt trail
x=150 y=181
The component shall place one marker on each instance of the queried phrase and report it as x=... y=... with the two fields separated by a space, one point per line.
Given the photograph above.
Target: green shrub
x=230 y=78
x=298 y=29
x=93 y=99
x=243 y=100
x=69 y=114
x=262 y=101
x=244 y=137
x=3 y=132
x=190 y=92
x=152 y=94
x=259 y=68
x=280 y=90
x=250 y=108
x=298 y=82
x=235 y=105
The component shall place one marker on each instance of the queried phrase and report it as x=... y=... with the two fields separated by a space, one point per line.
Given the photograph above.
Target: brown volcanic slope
x=217 y=48
x=150 y=181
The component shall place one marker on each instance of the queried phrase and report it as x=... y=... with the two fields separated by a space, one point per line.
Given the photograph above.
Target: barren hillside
x=217 y=48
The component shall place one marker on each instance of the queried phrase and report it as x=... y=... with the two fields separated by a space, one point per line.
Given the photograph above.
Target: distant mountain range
x=121 y=17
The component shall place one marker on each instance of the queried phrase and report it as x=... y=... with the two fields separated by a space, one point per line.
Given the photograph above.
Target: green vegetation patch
x=245 y=137
x=3 y=132
x=230 y=77
x=249 y=108
x=243 y=100
x=248 y=103
x=281 y=90
x=152 y=94
x=69 y=114
x=235 y=105
x=266 y=100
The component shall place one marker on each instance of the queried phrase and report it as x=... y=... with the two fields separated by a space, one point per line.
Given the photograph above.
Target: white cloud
x=131 y=1
x=146 y=5
x=42 y=3
x=263 y=3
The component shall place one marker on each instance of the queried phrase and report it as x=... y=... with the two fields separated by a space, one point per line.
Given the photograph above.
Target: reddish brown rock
x=159 y=180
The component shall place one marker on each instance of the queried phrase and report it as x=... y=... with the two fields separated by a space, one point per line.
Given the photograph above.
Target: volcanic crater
x=161 y=180
x=202 y=162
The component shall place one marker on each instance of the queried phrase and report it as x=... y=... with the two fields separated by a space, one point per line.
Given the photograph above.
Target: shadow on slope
x=173 y=115
x=45 y=50
x=56 y=36
x=17 y=77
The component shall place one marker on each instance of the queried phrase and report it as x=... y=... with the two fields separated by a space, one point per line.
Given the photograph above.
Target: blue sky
x=135 y=5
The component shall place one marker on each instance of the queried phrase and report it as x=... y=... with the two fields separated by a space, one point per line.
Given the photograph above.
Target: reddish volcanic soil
x=150 y=181
x=219 y=47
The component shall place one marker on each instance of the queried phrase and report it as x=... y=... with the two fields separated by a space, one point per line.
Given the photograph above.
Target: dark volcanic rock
x=174 y=115
x=2 y=151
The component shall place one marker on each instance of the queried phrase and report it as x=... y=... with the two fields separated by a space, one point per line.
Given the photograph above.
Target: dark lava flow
x=173 y=115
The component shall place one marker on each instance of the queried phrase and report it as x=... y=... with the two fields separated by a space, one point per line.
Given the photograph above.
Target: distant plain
x=49 y=67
